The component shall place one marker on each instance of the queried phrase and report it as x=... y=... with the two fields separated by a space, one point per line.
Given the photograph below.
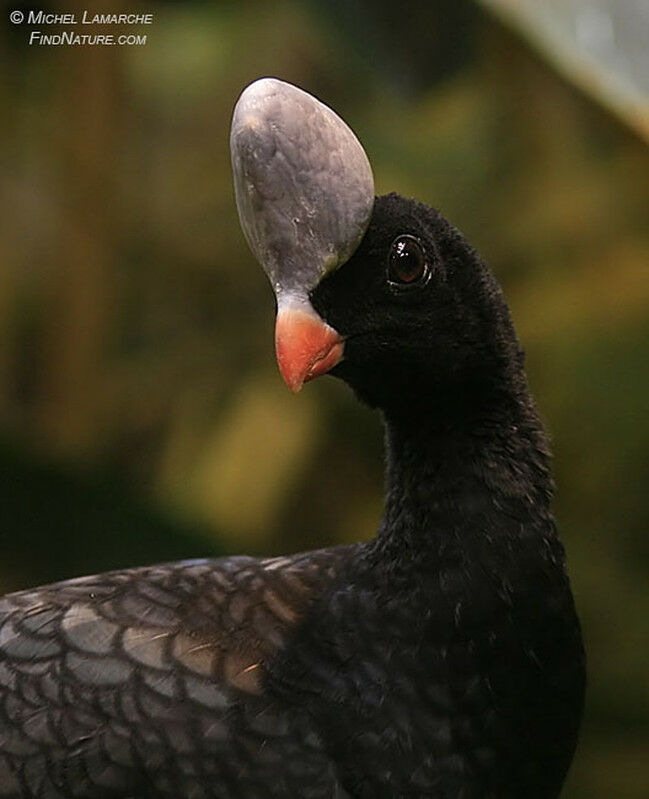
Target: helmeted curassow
x=442 y=658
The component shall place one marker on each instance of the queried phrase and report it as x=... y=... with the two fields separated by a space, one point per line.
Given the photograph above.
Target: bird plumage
x=150 y=682
x=441 y=659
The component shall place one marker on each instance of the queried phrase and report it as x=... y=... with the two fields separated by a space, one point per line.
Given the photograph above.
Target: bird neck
x=454 y=476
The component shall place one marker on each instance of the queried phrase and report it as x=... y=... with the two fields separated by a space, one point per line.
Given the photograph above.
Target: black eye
x=407 y=264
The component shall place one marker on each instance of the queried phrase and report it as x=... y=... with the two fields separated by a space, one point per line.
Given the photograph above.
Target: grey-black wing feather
x=149 y=682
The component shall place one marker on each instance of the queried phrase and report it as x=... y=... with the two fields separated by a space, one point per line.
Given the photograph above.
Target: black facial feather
x=446 y=344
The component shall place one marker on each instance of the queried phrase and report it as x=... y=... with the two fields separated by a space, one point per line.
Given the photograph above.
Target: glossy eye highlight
x=407 y=264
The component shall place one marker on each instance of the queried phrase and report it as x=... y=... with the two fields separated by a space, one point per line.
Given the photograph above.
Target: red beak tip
x=295 y=385
x=306 y=347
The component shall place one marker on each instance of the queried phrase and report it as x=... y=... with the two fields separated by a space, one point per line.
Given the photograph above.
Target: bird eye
x=407 y=264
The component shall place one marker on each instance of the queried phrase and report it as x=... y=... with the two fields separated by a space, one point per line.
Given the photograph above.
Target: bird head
x=383 y=291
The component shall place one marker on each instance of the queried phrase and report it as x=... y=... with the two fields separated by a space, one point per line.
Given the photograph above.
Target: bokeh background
x=141 y=415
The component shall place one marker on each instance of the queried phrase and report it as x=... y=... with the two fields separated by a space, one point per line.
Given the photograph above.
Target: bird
x=440 y=658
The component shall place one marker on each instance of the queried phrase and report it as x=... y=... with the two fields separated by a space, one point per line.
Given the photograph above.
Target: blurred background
x=141 y=414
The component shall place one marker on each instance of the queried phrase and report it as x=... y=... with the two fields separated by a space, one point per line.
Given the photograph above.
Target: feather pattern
x=150 y=682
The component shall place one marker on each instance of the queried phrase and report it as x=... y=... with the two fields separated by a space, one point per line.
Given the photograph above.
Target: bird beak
x=306 y=346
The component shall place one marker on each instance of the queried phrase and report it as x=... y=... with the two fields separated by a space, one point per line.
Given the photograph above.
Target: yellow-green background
x=141 y=415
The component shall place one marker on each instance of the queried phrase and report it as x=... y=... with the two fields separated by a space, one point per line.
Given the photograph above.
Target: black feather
x=442 y=659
